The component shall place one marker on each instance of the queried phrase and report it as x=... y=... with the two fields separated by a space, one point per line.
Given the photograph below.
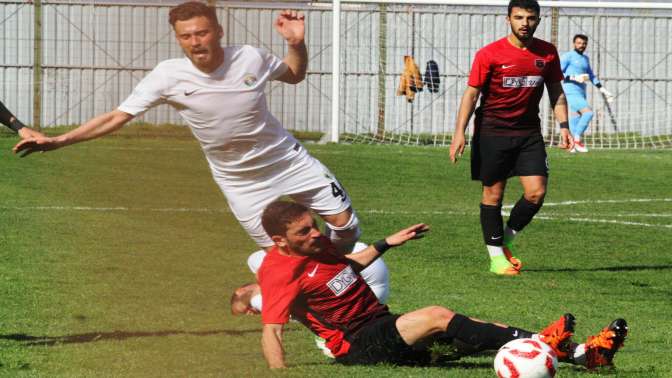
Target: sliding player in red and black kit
x=303 y=276
x=509 y=75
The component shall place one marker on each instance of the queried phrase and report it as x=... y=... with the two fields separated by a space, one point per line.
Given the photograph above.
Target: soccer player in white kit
x=219 y=92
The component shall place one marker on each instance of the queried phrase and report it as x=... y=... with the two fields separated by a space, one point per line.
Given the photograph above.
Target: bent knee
x=440 y=314
x=339 y=220
x=536 y=196
x=492 y=197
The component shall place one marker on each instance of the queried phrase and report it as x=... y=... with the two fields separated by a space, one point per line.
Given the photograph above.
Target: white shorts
x=300 y=176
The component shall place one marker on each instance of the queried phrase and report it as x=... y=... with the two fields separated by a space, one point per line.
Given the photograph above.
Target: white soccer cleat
x=320 y=342
x=580 y=147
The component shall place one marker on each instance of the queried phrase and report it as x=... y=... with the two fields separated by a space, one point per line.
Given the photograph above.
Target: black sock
x=470 y=336
x=522 y=214
x=492 y=224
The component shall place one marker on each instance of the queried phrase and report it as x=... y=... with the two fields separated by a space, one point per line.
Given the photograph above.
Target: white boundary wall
x=95 y=52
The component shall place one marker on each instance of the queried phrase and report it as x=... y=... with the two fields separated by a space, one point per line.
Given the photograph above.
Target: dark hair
x=580 y=36
x=525 y=4
x=191 y=9
x=279 y=214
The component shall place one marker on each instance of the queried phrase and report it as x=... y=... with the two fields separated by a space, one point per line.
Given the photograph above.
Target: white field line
x=624 y=215
x=118 y=208
x=611 y=221
x=565 y=217
x=196 y=147
x=130 y=148
x=569 y=203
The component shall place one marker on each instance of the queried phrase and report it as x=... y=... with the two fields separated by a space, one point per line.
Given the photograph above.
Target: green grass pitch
x=118 y=258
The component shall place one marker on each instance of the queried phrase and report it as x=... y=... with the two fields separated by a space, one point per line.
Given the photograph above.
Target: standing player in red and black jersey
x=509 y=75
x=304 y=276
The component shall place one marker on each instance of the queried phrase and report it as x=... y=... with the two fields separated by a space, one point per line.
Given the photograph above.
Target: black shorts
x=496 y=158
x=379 y=341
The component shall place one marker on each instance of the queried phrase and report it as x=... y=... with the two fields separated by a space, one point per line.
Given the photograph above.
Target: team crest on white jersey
x=342 y=281
x=522 y=81
x=250 y=80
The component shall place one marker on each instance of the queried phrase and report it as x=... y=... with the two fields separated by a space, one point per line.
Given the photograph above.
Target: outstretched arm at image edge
x=94 y=128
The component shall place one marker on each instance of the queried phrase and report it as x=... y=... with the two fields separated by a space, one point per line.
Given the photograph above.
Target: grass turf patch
x=118 y=257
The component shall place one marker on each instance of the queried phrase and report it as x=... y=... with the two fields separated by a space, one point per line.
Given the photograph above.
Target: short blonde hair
x=191 y=9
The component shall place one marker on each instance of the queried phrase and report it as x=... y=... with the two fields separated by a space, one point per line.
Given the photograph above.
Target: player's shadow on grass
x=114 y=335
x=624 y=268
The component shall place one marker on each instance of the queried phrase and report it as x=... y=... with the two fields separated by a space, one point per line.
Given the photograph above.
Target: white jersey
x=225 y=109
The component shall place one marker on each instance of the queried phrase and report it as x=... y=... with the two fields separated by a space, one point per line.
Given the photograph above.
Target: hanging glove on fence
x=411 y=80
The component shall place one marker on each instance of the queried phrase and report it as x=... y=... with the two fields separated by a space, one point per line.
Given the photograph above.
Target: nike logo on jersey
x=312 y=274
x=189 y=93
x=496 y=238
x=504 y=66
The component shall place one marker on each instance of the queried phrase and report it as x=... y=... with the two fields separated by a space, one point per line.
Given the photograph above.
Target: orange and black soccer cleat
x=558 y=336
x=600 y=349
x=517 y=264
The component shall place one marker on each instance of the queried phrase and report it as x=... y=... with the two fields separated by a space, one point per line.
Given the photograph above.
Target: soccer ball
x=525 y=358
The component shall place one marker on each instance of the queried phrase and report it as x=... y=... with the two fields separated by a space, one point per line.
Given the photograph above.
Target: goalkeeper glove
x=608 y=96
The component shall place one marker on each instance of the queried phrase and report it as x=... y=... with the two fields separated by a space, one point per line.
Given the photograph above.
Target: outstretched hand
x=290 y=24
x=416 y=231
x=27 y=132
x=35 y=144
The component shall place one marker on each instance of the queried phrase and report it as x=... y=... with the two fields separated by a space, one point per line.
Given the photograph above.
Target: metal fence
x=94 y=53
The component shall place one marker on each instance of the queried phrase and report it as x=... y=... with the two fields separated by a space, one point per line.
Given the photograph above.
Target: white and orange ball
x=525 y=358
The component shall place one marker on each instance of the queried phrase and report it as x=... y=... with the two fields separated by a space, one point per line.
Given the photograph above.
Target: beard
x=524 y=37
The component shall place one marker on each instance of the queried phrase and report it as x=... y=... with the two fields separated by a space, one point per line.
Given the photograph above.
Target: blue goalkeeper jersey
x=572 y=63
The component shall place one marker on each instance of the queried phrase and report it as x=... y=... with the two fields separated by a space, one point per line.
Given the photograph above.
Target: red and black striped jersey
x=512 y=81
x=323 y=292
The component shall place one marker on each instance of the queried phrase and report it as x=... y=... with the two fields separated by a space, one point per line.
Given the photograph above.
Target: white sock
x=255 y=302
x=580 y=354
x=495 y=250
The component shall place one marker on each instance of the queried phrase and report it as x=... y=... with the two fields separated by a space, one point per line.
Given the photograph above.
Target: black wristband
x=16 y=125
x=598 y=85
x=381 y=246
x=564 y=125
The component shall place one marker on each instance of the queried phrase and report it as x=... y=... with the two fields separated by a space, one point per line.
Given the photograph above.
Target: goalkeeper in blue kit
x=576 y=68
